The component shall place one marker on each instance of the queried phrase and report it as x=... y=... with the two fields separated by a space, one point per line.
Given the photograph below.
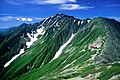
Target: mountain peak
x=62 y=47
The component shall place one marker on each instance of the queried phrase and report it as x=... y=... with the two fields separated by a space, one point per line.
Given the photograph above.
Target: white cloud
x=73 y=7
x=72 y=0
x=29 y=19
x=20 y=18
x=63 y=4
x=50 y=1
x=19 y=2
x=23 y=19
x=57 y=1
x=7 y=18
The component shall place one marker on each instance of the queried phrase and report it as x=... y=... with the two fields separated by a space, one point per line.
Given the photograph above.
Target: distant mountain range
x=61 y=47
x=6 y=29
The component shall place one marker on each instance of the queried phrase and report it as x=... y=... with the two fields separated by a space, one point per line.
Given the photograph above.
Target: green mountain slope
x=13 y=40
x=91 y=54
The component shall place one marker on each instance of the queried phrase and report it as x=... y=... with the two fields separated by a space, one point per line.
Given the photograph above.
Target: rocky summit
x=61 y=47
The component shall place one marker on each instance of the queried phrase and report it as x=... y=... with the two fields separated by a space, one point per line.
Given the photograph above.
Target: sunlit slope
x=93 y=52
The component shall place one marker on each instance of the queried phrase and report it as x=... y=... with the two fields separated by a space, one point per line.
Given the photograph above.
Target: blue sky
x=15 y=12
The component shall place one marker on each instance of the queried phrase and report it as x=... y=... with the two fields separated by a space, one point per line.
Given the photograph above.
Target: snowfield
x=63 y=46
x=33 y=38
x=14 y=57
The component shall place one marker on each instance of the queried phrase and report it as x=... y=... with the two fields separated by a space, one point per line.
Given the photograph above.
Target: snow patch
x=81 y=22
x=57 y=24
x=63 y=46
x=78 y=22
x=33 y=38
x=14 y=57
x=40 y=31
x=52 y=16
x=74 y=20
x=88 y=21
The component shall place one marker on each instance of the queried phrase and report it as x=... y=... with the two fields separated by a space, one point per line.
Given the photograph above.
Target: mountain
x=13 y=40
x=62 y=47
x=2 y=30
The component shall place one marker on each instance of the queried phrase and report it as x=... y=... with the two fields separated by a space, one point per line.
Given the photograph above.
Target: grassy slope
x=42 y=51
x=76 y=59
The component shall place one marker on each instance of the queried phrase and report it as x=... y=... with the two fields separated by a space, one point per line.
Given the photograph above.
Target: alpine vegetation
x=62 y=47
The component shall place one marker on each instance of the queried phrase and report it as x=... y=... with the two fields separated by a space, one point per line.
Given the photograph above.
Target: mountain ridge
x=86 y=53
